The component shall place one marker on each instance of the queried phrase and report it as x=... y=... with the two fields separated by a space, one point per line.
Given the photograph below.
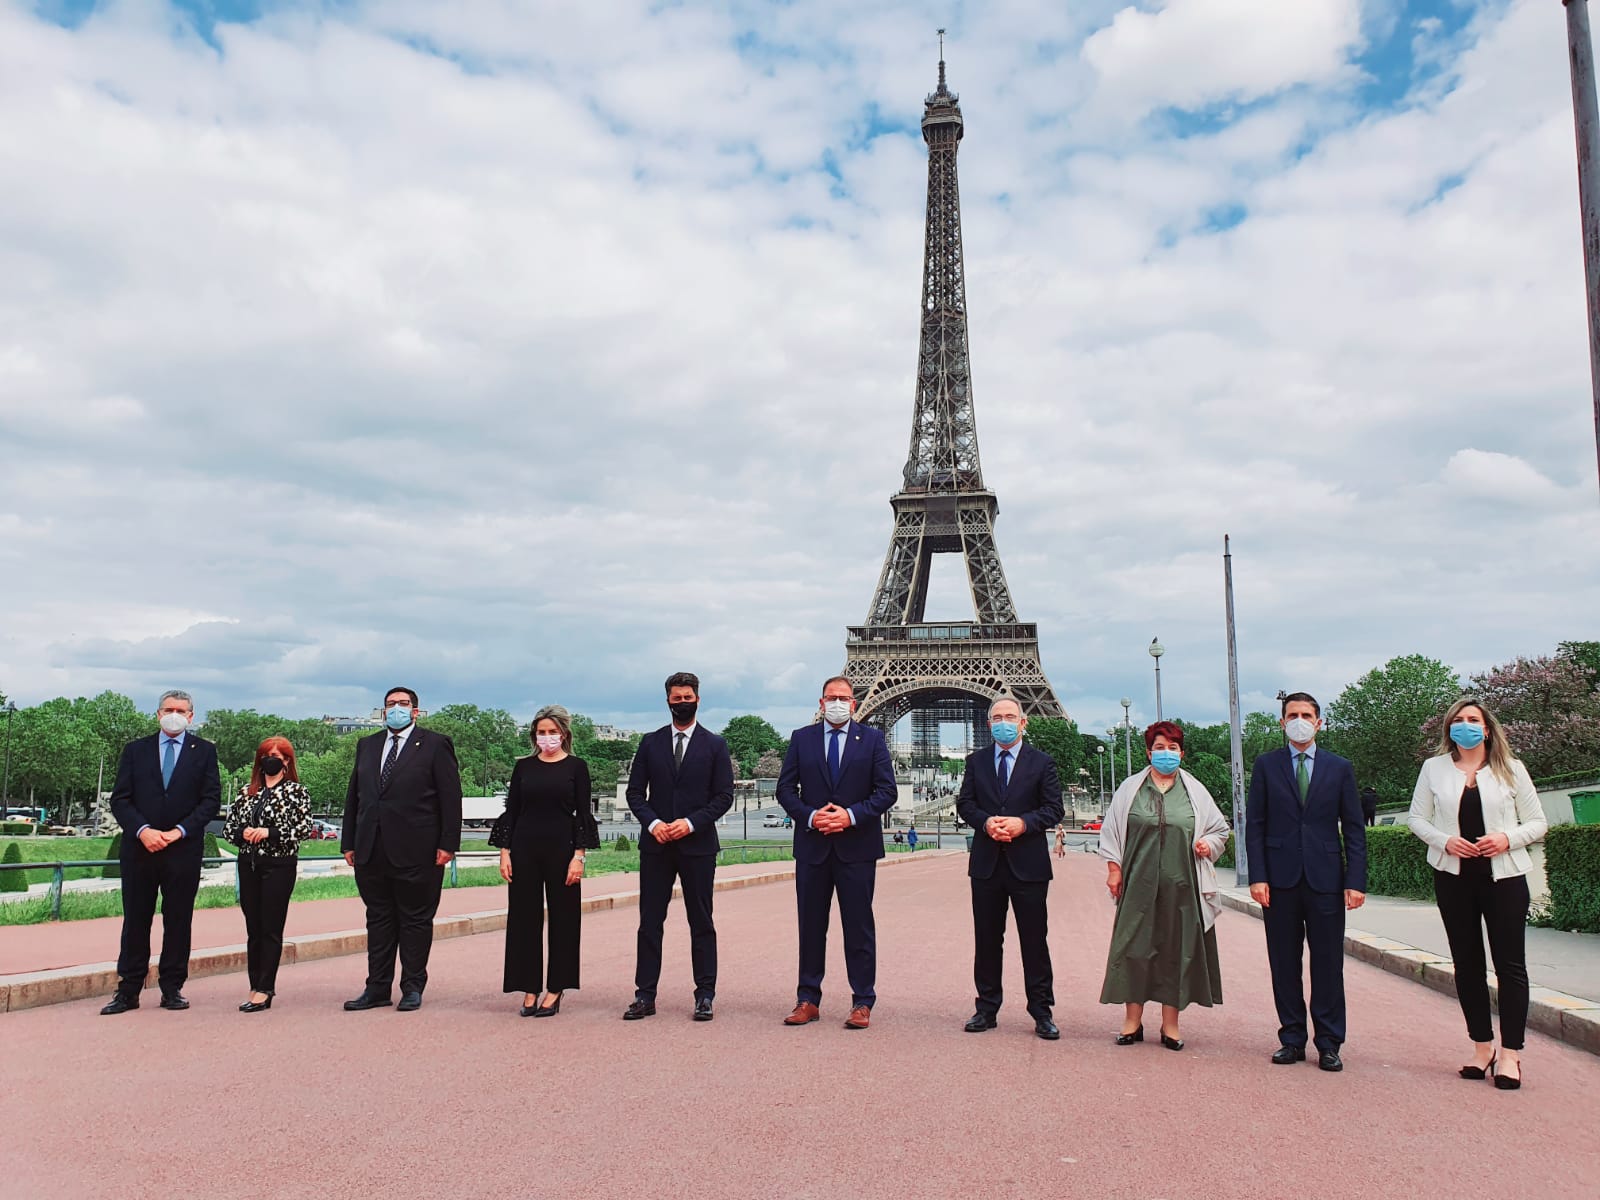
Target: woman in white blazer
x=1476 y=807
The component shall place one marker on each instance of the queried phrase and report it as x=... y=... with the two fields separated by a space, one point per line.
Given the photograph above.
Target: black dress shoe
x=1046 y=1028
x=1506 y=1083
x=174 y=1001
x=1329 y=1060
x=1128 y=1039
x=1471 y=1071
x=252 y=1006
x=1284 y=1055
x=1171 y=1043
x=639 y=1010
x=702 y=1010
x=410 y=1002
x=121 y=1003
x=980 y=1022
x=367 y=1000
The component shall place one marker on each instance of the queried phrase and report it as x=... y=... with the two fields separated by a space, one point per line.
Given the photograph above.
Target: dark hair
x=833 y=679
x=406 y=690
x=683 y=679
x=284 y=749
x=1166 y=729
x=1306 y=696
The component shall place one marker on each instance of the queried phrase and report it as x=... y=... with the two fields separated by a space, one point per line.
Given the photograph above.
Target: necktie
x=169 y=759
x=833 y=756
x=1005 y=769
x=1303 y=777
x=388 y=762
x=677 y=751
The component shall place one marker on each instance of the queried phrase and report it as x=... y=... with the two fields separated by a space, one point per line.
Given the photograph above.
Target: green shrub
x=1572 y=869
x=622 y=843
x=1226 y=858
x=113 y=852
x=16 y=828
x=13 y=881
x=1397 y=863
x=210 y=850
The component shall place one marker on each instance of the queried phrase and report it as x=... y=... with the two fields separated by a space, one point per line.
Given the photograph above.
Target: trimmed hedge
x=16 y=828
x=13 y=881
x=113 y=852
x=1572 y=869
x=1397 y=863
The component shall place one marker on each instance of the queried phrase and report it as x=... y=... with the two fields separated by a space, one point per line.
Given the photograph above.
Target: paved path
x=309 y=1101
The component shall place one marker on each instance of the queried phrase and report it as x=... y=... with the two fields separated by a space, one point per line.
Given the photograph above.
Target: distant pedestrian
x=167 y=792
x=544 y=837
x=267 y=821
x=1161 y=839
x=1061 y=841
x=1369 y=805
x=1476 y=807
x=911 y=837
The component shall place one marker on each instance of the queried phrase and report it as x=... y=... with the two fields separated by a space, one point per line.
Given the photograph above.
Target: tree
x=748 y=738
x=1585 y=654
x=1377 y=721
x=238 y=733
x=1205 y=739
x=487 y=743
x=1549 y=708
x=1059 y=738
x=115 y=718
x=327 y=775
x=1214 y=774
x=769 y=765
x=56 y=754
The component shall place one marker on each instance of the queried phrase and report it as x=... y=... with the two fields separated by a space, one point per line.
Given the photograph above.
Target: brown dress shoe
x=860 y=1017
x=804 y=1013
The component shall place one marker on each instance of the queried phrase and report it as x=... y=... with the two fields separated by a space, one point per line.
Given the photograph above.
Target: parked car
x=1092 y=826
x=776 y=821
x=321 y=831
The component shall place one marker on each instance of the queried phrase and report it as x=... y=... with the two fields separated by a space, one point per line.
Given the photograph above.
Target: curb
x=35 y=989
x=1569 y=1019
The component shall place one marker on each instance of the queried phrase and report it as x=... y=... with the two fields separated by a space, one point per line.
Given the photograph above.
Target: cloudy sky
x=530 y=351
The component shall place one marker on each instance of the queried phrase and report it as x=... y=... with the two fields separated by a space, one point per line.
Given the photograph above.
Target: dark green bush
x=1397 y=863
x=13 y=881
x=16 y=829
x=622 y=842
x=210 y=850
x=1572 y=869
x=113 y=852
x=1226 y=858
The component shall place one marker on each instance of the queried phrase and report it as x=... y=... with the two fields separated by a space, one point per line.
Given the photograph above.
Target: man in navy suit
x=1300 y=797
x=1010 y=795
x=680 y=782
x=837 y=782
x=167 y=792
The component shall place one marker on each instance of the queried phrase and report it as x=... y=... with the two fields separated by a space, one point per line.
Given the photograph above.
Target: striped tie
x=388 y=763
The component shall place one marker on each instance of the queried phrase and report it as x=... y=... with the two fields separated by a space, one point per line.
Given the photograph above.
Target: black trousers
x=1027 y=899
x=172 y=874
x=538 y=879
x=814 y=888
x=657 y=873
x=401 y=903
x=1469 y=903
x=265 y=884
x=1299 y=918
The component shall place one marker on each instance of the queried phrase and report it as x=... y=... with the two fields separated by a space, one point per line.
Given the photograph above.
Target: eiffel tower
x=898 y=663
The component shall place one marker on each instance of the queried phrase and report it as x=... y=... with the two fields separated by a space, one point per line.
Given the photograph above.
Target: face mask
x=683 y=711
x=837 y=712
x=1300 y=730
x=174 y=723
x=1466 y=735
x=397 y=718
x=272 y=765
x=1005 y=732
x=548 y=742
x=1166 y=761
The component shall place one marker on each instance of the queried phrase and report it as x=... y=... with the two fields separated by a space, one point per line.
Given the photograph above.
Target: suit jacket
x=418 y=814
x=1286 y=843
x=866 y=787
x=700 y=791
x=1032 y=793
x=192 y=799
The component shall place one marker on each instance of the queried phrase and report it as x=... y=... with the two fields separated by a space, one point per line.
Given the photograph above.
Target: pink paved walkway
x=466 y=1098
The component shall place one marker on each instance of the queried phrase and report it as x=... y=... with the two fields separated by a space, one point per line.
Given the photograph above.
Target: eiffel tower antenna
x=898 y=662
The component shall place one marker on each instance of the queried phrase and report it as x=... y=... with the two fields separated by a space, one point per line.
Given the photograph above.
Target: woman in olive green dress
x=1161 y=839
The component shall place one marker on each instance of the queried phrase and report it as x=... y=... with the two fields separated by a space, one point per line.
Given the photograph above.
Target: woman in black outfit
x=1476 y=807
x=266 y=821
x=546 y=828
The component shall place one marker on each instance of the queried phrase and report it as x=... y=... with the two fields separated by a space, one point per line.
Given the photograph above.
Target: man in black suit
x=837 y=782
x=680 y=782
x=402 y=824
x=1300 y=798
x=1010 y=795
x=167 y=791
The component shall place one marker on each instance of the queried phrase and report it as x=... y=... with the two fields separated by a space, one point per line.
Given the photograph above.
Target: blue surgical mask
x=1166 y=761
x=397 y=718
x=1466 y=735
x=1005 y=732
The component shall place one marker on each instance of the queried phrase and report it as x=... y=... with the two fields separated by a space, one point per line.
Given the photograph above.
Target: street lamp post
x=1127 y=736
x=5 y=788
x=1586 y=117
x=1100 y=757
x=1156 y=651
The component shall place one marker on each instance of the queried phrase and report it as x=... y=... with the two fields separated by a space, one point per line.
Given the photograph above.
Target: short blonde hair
x=563 y=720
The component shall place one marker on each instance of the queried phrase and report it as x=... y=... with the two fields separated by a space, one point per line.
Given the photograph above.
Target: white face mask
x=837 y=712
x=174 y=723
x=1300 y=730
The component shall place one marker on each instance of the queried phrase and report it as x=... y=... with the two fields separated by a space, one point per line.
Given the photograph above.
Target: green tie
x=1303 y=778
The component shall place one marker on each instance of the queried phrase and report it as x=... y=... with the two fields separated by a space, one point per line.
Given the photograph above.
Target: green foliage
x=748 y=738
x=622 y=844
x=1377 y=722
x=769 y=766
x=487 y=741
x=1585 y=654
x=210 y=849
x=1213 y=773
x=16 y=829
x=113 y=852
x=603 y=776
x=1572 y=869
x=1061 y=740
x=13 y=881
x=1225 y=859
x=327 y=775
x=1549 y=708
x=56 y=753
x=1397 y=863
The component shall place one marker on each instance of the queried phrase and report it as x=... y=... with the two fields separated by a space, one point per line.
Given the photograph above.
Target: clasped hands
x=671 y=831
x=155 y=840
x=830 y=819
x=1487 y=846
x=1261 y=893
x=1004 y=829
x=255 y=834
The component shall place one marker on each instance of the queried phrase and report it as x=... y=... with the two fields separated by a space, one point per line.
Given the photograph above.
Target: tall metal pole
x=1241 y=867
x=1586 y=116
x=1127 y=736
x=1156 y=651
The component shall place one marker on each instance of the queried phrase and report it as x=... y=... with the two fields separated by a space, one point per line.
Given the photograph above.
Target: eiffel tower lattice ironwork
x=899 y=663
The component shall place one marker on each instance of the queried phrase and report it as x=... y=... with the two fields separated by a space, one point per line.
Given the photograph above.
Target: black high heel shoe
x=252 y=1006
x=550 y=1010
x=1171 y=1043
x=1471 y=1071
x=1504 y=1082
x=1128 y=1039
x=530 y=1010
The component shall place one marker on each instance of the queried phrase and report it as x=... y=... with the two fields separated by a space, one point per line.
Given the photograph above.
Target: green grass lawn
x=60 y=849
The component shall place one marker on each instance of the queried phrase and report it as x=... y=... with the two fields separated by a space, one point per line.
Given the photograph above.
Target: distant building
x=610 y=733
x=366 y=724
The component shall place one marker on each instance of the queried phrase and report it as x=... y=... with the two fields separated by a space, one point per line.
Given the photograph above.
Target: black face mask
x=683 y=711
x=271 y=765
